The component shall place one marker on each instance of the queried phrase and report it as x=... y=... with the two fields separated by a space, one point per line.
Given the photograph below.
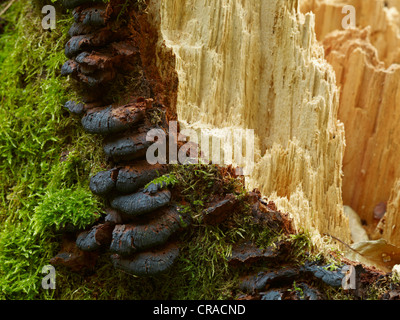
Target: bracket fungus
x=282 y=88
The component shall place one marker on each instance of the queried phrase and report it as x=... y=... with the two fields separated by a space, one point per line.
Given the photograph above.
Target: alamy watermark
x=349 y=281
x=49 y=20
x=49 y=281
x=349 y=21
x=218 y=146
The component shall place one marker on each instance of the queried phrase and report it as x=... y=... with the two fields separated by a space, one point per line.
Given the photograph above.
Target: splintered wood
x=257 y=65
x=366 y=61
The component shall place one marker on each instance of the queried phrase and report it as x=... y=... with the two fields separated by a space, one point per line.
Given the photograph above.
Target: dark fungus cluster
x=140 y=220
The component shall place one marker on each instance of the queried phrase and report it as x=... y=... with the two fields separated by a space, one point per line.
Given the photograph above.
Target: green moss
x=34 y=132
x=167 y=180
x=301 y=247
x=65 y=207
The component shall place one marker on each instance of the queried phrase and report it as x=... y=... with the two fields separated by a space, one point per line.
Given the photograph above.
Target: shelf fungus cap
x=95 y=238
x=132 y=178
x=141 y=203
x=128 y=148
x=103 y=182
x=150 y=263
x=74 y=107
x=112 y=120
x=128 y=239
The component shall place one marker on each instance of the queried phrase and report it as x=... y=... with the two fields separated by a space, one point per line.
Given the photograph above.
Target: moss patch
x=35 y=133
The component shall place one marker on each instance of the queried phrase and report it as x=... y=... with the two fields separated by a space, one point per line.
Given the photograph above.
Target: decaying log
x=148 y=263
x=381 y=16
x=231 y=78
x=274 y=80
x=368 y=110
x=141 y=203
